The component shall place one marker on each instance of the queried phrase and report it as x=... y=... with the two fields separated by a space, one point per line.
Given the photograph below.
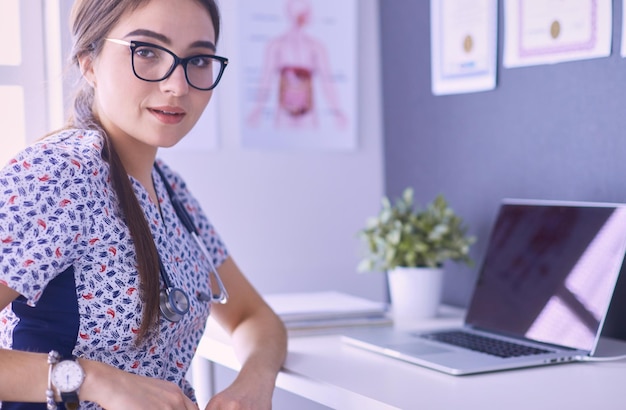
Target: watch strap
x=70 y=400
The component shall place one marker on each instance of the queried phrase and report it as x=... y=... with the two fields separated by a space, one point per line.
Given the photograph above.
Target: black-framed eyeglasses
x=154 y=63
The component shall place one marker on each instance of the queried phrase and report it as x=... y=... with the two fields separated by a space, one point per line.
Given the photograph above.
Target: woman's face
x=146 y=115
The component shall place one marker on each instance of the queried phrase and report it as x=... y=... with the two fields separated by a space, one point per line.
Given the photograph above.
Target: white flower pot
x=415 y=294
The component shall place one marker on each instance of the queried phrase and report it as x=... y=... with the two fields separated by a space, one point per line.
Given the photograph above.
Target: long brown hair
x=90 y=22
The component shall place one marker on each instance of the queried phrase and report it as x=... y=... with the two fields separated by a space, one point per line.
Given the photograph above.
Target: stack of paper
x=309 y=310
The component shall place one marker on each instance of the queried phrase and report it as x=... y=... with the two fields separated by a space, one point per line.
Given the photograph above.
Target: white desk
x=321 y=368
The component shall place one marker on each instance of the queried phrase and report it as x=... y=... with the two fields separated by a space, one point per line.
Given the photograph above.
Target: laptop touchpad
x=416 y=348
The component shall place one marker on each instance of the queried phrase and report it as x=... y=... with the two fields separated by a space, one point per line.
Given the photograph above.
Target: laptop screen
x=549 y=271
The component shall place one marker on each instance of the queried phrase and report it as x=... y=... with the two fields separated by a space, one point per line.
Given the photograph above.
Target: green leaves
x=403 y=235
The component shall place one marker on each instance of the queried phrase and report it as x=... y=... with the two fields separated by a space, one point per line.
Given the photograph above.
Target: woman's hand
x=115 y=389
x=240 y=397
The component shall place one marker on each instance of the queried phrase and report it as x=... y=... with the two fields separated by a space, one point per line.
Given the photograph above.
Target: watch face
x=67 y=376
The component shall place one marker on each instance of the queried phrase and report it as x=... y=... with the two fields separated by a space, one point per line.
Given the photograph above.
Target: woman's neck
x=138 y=160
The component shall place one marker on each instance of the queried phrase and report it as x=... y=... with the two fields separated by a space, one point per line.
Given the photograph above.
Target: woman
x=96 y=263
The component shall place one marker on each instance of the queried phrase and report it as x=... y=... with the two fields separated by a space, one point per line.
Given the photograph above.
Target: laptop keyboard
x=484 y=344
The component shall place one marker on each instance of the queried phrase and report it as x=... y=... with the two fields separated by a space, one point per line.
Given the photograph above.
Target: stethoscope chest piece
x=174 y=303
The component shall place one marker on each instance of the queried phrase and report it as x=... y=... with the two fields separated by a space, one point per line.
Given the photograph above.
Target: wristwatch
x=67 y=376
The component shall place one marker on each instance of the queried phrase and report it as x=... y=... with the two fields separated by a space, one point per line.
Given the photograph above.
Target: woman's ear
x=85 y=64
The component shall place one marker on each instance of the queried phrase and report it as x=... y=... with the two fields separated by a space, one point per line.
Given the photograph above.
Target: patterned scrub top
x=65 y=247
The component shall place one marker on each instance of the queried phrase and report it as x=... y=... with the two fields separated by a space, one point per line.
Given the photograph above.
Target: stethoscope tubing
x=221 y=297
x=185 y=218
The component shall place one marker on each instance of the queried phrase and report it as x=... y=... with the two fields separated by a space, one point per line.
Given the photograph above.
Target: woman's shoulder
x=84 y=146
x=69 y=149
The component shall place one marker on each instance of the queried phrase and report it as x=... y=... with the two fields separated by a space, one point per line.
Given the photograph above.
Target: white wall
x=290 y=218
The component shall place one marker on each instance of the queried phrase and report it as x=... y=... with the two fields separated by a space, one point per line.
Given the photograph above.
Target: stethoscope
x=174 y=302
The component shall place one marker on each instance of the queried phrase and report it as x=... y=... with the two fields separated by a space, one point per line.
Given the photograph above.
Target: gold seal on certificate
x=555 y=29
x=468 y=43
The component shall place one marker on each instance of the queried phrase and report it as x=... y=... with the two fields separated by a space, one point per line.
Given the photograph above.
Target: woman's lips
x=168 y=115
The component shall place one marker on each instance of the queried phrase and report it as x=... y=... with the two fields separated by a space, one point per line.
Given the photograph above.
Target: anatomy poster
x=298 y=68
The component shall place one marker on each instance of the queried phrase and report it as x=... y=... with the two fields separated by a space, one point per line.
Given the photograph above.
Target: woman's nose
x=176 y=82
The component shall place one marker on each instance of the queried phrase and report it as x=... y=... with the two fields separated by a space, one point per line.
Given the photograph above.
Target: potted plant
x=411 y=244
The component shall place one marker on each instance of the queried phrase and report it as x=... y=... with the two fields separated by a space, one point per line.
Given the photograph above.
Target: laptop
x=541 y=296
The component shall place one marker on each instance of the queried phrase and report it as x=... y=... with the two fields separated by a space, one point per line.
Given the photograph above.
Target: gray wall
x=551 y=131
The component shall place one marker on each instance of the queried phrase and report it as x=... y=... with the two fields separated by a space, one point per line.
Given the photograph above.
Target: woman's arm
x=24 y=378
x=259 y=338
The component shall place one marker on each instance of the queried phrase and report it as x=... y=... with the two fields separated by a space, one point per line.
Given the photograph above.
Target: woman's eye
x=201 y=61
x=145 y=52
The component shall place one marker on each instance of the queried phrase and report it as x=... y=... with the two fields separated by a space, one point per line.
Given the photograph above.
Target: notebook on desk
x=541 y=297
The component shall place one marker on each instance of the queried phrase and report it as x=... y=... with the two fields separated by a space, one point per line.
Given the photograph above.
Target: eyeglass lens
x=154 y=64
